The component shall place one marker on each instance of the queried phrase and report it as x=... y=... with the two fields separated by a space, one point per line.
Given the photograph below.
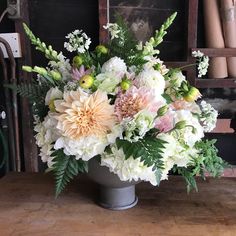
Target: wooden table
x=28 y=207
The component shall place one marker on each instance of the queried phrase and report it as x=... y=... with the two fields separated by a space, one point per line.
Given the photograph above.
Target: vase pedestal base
x=117 y=198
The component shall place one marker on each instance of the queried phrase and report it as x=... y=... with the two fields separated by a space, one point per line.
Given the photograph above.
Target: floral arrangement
x=122 y=104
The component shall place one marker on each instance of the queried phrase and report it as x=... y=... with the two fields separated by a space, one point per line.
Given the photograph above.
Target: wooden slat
x=103 y=19
x=29 y=148
x=28 y=207
x=217 y=52
x=216 y=83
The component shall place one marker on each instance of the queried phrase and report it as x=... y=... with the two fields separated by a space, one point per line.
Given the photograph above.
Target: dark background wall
x=52 y=20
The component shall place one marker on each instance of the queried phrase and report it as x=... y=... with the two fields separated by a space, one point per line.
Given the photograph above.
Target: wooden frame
x=192 y=10
x=223 y=125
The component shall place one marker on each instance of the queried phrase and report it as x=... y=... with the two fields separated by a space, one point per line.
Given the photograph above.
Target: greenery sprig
x=49 y=52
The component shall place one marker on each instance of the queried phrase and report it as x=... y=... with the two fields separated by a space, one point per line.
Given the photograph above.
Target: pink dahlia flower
x=136 y=99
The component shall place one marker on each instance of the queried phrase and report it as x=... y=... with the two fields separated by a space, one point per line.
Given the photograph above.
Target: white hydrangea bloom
x=52 y=94
x=152 y=79
x=141 y=123
x=176 y=79
x=127 y=170
x=108 y=81
x=208 y=116
x=115 y=65
x=84 y=148
x=193 y=131
x=46 y=134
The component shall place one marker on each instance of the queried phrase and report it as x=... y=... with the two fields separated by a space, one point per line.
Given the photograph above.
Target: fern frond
x=65 y=169
x=149 y=149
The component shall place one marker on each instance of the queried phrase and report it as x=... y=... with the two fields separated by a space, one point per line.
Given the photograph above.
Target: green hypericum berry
x=86 y=81
x=77 y=61
x=56 y=75
x=125 y=84
x=101 y=49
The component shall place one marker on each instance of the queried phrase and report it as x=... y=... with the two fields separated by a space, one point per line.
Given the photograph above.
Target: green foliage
x=159 y=34
x=149 y=149
x=65 y=169
x=41 y=46
x=35 y=93
x=209 y=161
x=125 y=45
x=188 y=175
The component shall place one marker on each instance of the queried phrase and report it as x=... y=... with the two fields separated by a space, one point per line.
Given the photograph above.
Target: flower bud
x=125 y=84
x=40 y=70
x=101 y=49
x=51 y=106
x=162 y=111
x=55 y=75
x=181 y=124
x=77 y=61
x=192 y=95
x=27 y=68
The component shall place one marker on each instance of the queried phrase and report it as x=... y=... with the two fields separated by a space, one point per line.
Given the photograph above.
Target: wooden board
x=29 y=208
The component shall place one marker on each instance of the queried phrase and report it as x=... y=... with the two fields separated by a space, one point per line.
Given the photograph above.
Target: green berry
x=86 y=81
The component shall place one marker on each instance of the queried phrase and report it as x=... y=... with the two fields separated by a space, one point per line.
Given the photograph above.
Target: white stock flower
x=127 y=169
x=152 y=79
x=84 y=148
x=208 y=116
x=52 y=94
x=113 y=29
x=202 y=61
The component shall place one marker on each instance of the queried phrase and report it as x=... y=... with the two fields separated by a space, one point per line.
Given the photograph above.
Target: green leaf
x=149 y=149
x=158 y=174
x=65 y=169
x=35 y=93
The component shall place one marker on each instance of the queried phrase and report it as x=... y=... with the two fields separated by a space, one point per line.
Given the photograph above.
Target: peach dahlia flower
x=80 y=114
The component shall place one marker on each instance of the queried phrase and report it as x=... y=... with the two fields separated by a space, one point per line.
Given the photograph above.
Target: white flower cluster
x=113 y=29
x=203 y=62
x=45 y=137
x=62 y=65
x=78 y=41
x=136 y=128
x=208 y=116
x=111 y=74
x=127 y=169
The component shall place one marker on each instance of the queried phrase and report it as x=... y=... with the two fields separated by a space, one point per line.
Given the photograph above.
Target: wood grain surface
x=28 y=207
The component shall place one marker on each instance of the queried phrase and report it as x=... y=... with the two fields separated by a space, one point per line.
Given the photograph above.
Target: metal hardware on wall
x=14 y=9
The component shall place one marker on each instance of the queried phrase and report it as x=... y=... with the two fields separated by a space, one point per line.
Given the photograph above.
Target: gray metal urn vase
x=114 y=194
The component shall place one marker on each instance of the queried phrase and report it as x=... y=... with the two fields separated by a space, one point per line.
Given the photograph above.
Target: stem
x=182 y=67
